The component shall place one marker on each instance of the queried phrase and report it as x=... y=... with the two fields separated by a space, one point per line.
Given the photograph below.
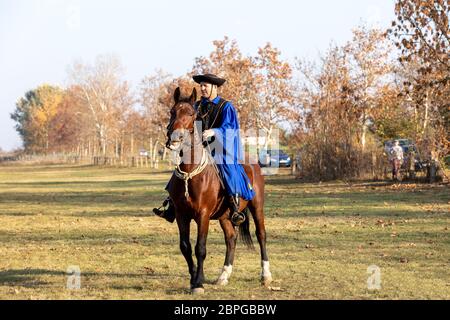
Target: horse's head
x=182 y=118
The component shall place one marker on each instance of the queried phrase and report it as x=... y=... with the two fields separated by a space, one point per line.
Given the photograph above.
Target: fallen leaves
x=275 y=289
x=149 y=270
x=405 y=186
x=383 y=223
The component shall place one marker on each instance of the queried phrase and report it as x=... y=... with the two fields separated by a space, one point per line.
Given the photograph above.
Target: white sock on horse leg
x=265 y=269
x=226 y=272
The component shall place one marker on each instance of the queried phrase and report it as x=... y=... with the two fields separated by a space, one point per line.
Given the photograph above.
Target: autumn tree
x=326 y=137
x=227 y=61
x=421 y=33
x=156 y=98
x=260 y=86
x=105 y=96
x=276 y=98
x=368 y=53
x=341 y=98
x=34 y=114
x=71 y=130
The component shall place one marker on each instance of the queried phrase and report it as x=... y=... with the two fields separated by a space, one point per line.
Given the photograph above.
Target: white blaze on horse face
x=176 y=139
x=226 y=273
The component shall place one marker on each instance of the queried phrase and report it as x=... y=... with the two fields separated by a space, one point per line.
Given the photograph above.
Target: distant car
x=274 y=158
x=143 y=153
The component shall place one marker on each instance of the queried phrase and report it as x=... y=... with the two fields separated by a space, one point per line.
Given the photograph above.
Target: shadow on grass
x=30 y=277
x=97 y=184
x=290 y=180
x=82 y=199
x=145 y=212
x=364 y=198
x=150 y=197
x=86 y=239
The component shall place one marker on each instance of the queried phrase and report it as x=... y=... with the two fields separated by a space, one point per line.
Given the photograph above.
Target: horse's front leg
x=200 y=252
x=185 y=245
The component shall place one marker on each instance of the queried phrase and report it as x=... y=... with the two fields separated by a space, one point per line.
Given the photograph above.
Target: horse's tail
x=244 y=231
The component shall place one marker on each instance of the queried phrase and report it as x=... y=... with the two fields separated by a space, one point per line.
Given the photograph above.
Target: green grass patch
x=321 y=238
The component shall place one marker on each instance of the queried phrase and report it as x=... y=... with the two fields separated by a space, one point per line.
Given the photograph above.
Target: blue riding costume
x=221 y=116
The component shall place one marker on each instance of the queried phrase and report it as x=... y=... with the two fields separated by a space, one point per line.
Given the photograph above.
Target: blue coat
x=229 y=156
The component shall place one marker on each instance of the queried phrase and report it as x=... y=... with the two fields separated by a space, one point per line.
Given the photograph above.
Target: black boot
x=169 y=213
x=237 y=217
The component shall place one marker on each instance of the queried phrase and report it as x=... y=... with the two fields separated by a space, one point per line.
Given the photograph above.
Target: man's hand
x=208 y=134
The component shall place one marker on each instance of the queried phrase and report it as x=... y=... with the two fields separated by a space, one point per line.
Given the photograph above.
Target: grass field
x=321 y=239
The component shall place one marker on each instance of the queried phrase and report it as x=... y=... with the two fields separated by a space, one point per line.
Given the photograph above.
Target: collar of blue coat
x=214 y=101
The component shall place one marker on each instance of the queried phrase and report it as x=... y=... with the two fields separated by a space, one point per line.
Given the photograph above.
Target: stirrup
x=237 y=218
x=163 y=213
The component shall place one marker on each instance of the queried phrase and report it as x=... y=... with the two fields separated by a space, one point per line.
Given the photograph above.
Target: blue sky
x=39 y=39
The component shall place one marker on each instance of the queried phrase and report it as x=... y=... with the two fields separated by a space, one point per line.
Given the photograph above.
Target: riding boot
x=237 y=217
x=169 y=213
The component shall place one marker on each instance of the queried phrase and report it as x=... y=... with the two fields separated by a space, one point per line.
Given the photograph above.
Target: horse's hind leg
x=256 y=208
x=185 y=246
x=230 y=240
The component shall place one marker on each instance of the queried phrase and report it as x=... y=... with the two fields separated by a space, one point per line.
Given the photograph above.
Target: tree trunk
x=363 y=133
x=155 y=150
x=116 y=148
x=268 y=135
x=426 y=116
x=150 y=149
x=132 y=144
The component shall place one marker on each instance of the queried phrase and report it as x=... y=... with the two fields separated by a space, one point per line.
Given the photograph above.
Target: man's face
x=206 y=88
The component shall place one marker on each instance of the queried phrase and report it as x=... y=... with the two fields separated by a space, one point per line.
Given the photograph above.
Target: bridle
x=205 y=160
x=172 y=122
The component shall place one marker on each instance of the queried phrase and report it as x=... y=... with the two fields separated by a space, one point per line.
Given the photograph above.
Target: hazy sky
x=39 y=39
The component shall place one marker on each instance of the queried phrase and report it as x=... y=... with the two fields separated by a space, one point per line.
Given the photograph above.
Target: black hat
x=209 y=78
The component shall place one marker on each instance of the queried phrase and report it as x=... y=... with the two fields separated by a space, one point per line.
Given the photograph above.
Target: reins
x=189 y=175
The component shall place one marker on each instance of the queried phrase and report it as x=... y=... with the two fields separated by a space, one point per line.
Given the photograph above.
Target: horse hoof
x=222 y=282
x=198 y=291
x=266 y=281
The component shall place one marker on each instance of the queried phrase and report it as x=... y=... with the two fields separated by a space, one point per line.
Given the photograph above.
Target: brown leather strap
x=222 y=103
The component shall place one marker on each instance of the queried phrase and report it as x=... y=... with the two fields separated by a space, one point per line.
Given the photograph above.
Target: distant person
x=396 y=154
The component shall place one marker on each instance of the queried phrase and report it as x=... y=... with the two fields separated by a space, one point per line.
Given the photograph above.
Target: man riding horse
x=219 y=122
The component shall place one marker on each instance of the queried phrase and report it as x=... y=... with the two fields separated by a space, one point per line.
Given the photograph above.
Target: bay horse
x=197 y=194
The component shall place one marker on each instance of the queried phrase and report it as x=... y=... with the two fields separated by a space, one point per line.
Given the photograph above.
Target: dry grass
x=322 y=238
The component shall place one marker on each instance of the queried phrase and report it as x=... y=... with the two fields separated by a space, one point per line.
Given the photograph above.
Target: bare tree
x=104 y=94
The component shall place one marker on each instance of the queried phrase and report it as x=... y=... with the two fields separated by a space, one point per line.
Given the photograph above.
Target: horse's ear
x=193 y=97
x=176 y=95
